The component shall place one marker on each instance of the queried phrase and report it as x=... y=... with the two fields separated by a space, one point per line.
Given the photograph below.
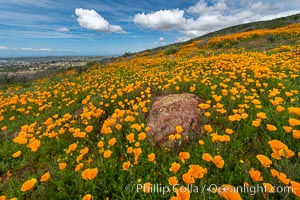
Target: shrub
x=270 y=38
x=127 y=54
x=5 y=78
x=171 y=50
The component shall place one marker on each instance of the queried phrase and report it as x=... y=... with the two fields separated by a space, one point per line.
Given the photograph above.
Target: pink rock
x=170 y=111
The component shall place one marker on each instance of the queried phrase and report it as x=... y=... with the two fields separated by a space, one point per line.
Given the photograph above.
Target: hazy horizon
x=40 y=56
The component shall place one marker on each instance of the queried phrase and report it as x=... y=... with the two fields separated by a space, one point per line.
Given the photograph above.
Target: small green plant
x=270 y=38
x=219 y=45
x=127 y=54
x=171 y=50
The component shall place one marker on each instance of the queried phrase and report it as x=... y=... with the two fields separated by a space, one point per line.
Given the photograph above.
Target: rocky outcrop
x=170 y=111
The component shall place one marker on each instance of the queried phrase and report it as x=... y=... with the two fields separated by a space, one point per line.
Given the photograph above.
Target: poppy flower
x=287 y=129
x=218 y=161
x=283 y=178
x=173 y=180
x=62 y=166
x=188 y=178
x=296 y=188
x=261 y=115
x=182 y=193
x=229 y=131
x=89 y=174
x=255 y=175
x=142 y=136
x=200 y=142
x=256 y=122
x=197 y=171
x=118 y=126
x=264 y=160
x=294 y=122
x=126 y=166
x=207 y=157
x=147 y=187
x=28 y=185
x=184 y=156
x=112 y=141
x=17 y=154
x=179 y=129
x=45 y=177
x=296 y=134
x=87 y=197
x=78 y=167
x=269 y=187
x=274 y=172
x=107 y=153
x=151 y=157
x=89 y=129
x=229 y=192
x=175 y=167
x=130 y=137
x=100 y=144
x=271 y=127
x=208 y=128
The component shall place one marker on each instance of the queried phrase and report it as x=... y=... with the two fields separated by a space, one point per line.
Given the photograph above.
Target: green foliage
x=171 y=50
x=5 y=78
x=127 y=54
x=270 y=38
x=271 y=24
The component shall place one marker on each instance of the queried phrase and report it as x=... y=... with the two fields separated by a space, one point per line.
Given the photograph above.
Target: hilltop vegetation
x=270 y=24
x=77 y=136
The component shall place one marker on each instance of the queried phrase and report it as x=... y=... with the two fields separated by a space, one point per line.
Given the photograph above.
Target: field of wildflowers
x=84 y=136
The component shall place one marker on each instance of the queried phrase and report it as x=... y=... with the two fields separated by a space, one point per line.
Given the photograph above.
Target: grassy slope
x=235 y=73
x=269 y=24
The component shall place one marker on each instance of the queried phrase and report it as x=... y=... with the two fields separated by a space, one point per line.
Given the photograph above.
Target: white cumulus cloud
x=281 y=14
x=165 y=20
x=182 y=39
x=160 y=41
x=205 y=17
x=92 y=20
x=202 y=7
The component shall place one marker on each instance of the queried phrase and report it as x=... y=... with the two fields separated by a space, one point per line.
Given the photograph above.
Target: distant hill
x=269 y=24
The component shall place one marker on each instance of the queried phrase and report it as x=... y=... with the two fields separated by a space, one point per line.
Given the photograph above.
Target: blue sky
x=107 y=27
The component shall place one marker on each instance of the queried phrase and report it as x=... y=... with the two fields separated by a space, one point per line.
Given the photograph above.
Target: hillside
x=84 y=135
x=269 y=24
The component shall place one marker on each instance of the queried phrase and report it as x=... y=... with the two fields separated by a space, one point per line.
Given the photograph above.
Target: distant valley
x=22 y=69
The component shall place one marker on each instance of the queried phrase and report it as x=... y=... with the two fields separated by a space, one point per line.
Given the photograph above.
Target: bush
x=270 y=38
x=127 y=54
x=5 y=78
x=171 y=50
